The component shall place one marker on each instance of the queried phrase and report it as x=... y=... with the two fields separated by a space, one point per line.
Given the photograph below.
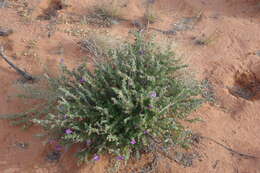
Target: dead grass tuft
x=150 y=15
x=106 y=13
x=99 y=44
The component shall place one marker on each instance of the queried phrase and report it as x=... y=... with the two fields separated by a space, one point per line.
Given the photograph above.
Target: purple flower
x=58 y=147
x=65 y=116
x=68 y=131
x=145 y=132
x=153 y=94
x=133 y=141
x=150 y=106
x=96 y=157
x=61 y=60
x=142 y=52
x=88 y=142
x=120 y=158
x=82 y=80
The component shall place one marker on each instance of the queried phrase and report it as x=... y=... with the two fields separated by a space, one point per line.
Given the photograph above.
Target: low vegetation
x=99 y=44
x=135 y=97
x=105 y=13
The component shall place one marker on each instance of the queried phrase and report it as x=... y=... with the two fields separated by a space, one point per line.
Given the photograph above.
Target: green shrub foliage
x=130 y=100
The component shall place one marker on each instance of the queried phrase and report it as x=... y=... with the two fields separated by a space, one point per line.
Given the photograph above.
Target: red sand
x=234 y=122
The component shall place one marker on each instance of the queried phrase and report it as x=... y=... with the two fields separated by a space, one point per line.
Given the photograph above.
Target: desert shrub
x=133 y=98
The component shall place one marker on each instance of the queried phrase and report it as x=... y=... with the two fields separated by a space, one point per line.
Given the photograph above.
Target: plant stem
x=171 y=104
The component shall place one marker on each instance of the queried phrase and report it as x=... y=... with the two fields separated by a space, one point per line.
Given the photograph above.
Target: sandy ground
x=231 y=59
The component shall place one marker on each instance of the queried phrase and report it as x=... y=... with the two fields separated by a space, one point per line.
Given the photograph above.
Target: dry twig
x=26 y=75
x=230 y=149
